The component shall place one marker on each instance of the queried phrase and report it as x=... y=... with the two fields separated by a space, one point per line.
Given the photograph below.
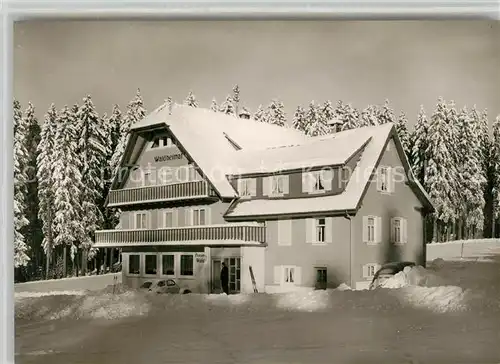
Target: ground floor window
x=150 y=266
x=234 y=274
x=134 y=264
x=289 y=275
x=168 y=264
x=187 y=265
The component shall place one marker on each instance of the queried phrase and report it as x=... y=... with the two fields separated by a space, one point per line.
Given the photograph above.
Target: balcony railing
x=192 y=235
x=148 y=194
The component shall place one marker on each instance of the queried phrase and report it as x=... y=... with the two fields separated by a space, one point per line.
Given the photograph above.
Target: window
x=141 y=220
x=166 y=142
x=371 y=229
x=289 y=275
x=156 y=143
x=162 y=142
x=247 y=187
x=168 y=219
x=134 y=264
x=320 y=230
x=192 y=173
x=398 y=230
x=369 y=270
x=278 y=185
x=168 y=264
x=384 y=181
x=187 y=265
x=199 y=217
x=318 y=182
x=150 y=266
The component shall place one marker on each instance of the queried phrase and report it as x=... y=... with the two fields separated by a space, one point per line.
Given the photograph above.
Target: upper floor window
x=246 y=187
x=169 y=218
x=317 y=181
x=141 y=220
x=162 y=142
x=372 y=229
x=398 y=230
x=384 y=180
x=197 y=216
x=278 y=184
x=320 y=230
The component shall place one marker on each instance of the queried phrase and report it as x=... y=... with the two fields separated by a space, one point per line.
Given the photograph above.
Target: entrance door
x=321 y=280
x=234 y=267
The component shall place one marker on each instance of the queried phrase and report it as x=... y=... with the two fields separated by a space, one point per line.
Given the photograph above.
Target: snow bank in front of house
x=22 y=295
x=438 y=299
x=308 y=301
x=224 y=299
x=82 y=306
x=412 y=276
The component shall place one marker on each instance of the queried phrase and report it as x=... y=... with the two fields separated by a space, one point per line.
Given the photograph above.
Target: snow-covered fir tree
x=484 y=140
x=340 y=112
x=419 y=142
x=191 y=100
x=236 y=99
x=351 y=117
x=227 y=106
x=404 y=135
x=276 y=113
x=315 y=123
x=440 y=174
x=495 y=166
x=369 y=116
x=67 y=178
x=21 y=162
x=33 y=233
x=46 y=191
x=93 y=150
x=259 y=114
x=135 y=112
x=386 y=113
x=213 y=106
x=327 y=111
x=299 y=119
x=115 y=123
x=470 y=178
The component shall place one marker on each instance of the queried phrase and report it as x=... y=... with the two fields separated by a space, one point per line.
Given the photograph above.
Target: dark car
x=164 y=286
x=387 y=271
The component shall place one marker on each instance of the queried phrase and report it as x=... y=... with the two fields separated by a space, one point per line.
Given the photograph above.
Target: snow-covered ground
x=447 y=313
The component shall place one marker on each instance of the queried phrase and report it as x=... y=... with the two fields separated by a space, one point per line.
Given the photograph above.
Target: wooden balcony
x=227 y=234
x=151 y=194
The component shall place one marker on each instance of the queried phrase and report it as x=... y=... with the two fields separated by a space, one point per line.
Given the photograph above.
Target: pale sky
x=362 y=62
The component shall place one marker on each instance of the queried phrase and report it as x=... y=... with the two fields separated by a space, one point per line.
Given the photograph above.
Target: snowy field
x=447 y=313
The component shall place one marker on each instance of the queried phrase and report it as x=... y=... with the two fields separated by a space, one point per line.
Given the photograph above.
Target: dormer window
x=156 y=143
x=318 y=181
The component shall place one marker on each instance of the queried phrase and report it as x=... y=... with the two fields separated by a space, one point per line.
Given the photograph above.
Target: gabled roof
x=335 y=149
x=350 y=199
x=205 y=135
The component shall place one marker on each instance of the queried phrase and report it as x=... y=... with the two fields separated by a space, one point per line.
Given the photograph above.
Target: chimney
x=335 y=125
x=244 y=114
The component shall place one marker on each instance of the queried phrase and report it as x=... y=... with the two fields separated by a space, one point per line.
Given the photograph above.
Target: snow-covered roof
x=348 y=200
x=203 y=134
x=333 y=149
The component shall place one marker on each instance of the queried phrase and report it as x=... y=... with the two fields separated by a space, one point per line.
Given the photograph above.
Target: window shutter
x=149 y=222
x=327 y=176
x=365 y=271
x=175 y=217
x=404 y=231
x=378 y=229
x=253 y=186
x=265 y=186
x=208 y=216
x=390 y=179
x=239 y=186
x=277 y=274
x=378 y=176
x=309 y=231
x=298 y=275
x=393 y=230
x=286 y=184
x=160 y=216
x=365 y=229
x=329 y=230
x=188 y=217
x=305 y=182
x=131 y=219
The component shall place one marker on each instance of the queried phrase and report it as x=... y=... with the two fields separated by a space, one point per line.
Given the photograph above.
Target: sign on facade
x=200 y=257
